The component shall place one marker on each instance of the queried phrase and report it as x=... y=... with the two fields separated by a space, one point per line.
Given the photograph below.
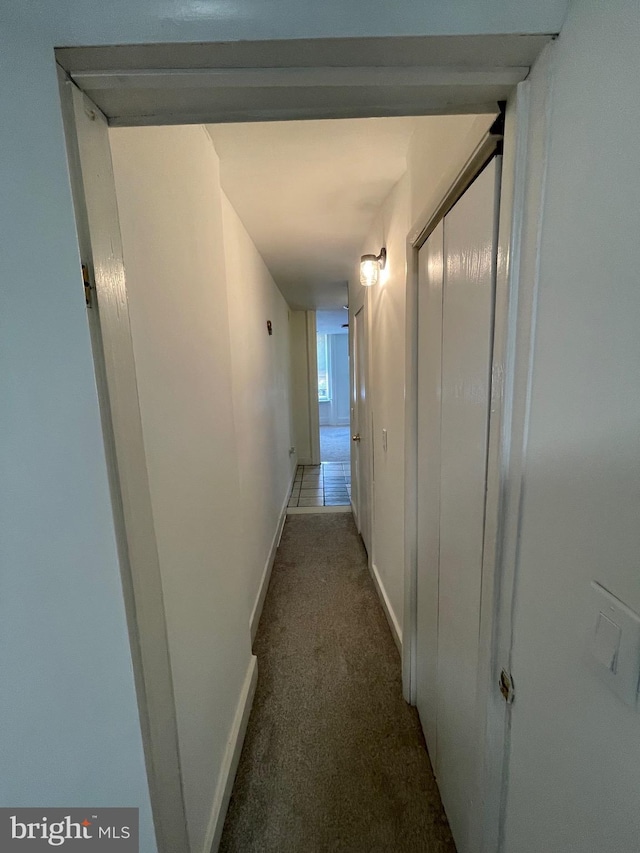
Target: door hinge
x=86 y=280
x=506 y=687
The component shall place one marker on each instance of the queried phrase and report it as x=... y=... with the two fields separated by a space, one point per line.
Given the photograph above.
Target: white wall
x=70 y=729
x=300 y=391
x=90 y=23
x=386 y=391
x=436 y=153
x=574 y=770
x=261 y=380
x=170 y=205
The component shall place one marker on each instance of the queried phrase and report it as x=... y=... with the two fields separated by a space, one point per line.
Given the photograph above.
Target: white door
x=457 y=268
x=360 y=430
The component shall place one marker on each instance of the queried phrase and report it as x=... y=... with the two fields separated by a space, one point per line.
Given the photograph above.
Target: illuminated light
x=370 y=266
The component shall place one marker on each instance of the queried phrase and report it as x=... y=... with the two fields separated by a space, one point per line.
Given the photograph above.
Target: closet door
x=453 y=426
x=467 y=334
x=430 y=287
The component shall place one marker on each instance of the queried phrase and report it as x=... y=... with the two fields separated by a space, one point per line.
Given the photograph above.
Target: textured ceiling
x=307 y=192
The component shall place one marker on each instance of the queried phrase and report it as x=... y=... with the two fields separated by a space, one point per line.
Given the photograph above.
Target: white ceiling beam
x=301 y=77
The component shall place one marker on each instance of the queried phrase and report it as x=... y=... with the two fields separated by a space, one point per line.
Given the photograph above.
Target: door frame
x=335 y=364
x=496 y=631
x=94 y=199
x=312 y=374
x=361 y=307
x=509 y=380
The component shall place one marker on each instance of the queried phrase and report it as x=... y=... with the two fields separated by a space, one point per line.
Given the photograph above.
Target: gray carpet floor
x=335 y=444
x=334 y=759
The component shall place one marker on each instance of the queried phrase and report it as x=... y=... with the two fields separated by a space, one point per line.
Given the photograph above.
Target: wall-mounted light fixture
x=370 y=266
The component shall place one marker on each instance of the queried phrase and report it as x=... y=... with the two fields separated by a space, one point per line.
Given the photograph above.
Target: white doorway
x=326 y=481
x=363 y=423
x=332 y=341
x=456 y=287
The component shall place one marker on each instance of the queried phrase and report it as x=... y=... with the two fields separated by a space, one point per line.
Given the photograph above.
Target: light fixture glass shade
x=369 y=270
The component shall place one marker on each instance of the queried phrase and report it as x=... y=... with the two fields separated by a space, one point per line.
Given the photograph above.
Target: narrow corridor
x=334 y=759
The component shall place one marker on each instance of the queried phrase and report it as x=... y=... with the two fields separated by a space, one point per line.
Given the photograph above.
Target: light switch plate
x=614 y=644
x=384 y=440
x=606 y=642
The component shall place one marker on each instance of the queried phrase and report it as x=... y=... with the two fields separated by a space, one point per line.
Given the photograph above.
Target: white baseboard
x=355 y=513
x=305 y=460
x=388 y=609
x=256 y=613
x=231 y=759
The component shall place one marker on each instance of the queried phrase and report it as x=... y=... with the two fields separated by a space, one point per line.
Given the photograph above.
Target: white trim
x=310 y=510
x=477 y=51
x=282 y=523
x=304 y=76
x=409 y=639
x=100 y=245
x=254 y=621
x=312 y=373
x=364 y=519
x=413 y=75
x=305 y=460
x=353 y=411
x=492 y=710
x=522 y=275
x=394 y=625
x=231 y=759
x=370 y=401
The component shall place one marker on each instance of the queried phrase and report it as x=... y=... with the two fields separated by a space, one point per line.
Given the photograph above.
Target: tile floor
x=328 y=484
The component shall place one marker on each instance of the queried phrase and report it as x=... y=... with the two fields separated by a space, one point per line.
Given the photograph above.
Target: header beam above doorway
x=300 y=79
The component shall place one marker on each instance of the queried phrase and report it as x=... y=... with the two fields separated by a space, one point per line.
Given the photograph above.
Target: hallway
x=334 y=760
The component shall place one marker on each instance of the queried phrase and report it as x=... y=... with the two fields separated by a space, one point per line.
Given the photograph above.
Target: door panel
x=467 y=331
x=455 y=314
x=360 y=448
x=430 y=281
